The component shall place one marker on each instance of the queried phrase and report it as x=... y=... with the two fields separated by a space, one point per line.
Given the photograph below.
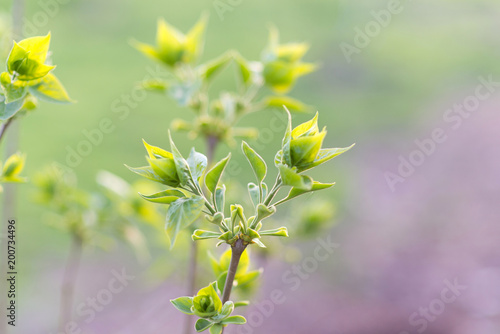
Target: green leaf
x=146 y=172
x=182 y=213
x=201 y=235
x=259 y=243
x=216 y=329
x=221 y=279
x=241 y=303
x=294 y=192
x=155 y=85
x=213 y=176
x=38 y=47
x=288 y=102
x=263 y=212
x=25 y=66
x=10 y=109
x=244 y=69
x=169 y=43
x=183 y=304
x=290 y=177
x=202 y=325
x=181 y=164
x=212 y=68
x=156 y=152
x=234 y=320
x=327 y=154
x=254 y=192
x=248 y=277
x=197 y=164
x=209 y=291
x=12 y=168
x=164 y=197
x=166 y=170
x=220 y=194
x=50 y=89
x=305 y=149
x=194 y=40
x=12 y=92
x=307 y=128
x=225 y=312
x=278 y=232
x=258 y=164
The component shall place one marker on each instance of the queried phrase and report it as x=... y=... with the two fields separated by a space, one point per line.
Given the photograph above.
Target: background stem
x=69 y=282
x=212 y=143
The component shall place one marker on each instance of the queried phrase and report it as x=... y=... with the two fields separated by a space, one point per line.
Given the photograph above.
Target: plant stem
x=236 y=251
x=4 y=127
x=193 y=263
x=273 y=191
x=69 y=281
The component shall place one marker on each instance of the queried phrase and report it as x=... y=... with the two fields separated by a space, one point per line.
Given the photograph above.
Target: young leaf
x=213 y=176
x=216 y=329
x=181 y=214
x=197 y=164
x=7 y=110
x=146 y=172
x=225 y=312
x=258 y=164
x=241 y=303
x=164 y=197
x=264 y=212
x=202 y=325
x=254 y=192
x=156 y=152
x=181 y=164
x=278 y=232
x=288 y=102
x=37 y=46
x=294 y=192
x=244 y=69
x=234 y=320
x=50 y=89
x=12 y=92
x=290 y=177
x=220 y=194
x=327 y=154
x=212 y=68
x=201 y=235
x=183 y=304
x=248 y=278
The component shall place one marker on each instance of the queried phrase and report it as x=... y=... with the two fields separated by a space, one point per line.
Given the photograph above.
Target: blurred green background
x=403 y=78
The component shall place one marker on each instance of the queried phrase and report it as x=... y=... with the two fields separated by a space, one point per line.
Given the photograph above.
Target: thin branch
x=4 y=127
x=69 y=282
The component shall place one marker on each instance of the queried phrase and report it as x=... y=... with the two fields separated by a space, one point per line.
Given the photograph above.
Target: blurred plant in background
x=92 y=219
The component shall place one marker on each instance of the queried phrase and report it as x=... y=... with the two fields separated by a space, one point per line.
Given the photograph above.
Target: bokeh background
x=397 y=247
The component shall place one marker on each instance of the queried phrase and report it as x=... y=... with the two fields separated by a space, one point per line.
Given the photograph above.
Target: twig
x=4 y=127
x=69 y=282
x=236 y=252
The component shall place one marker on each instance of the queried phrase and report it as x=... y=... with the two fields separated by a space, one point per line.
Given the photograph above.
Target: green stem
x=274 y=191
x=4 y=127
x=69 y=281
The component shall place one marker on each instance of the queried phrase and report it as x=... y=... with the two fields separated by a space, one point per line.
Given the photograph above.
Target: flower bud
x=207 y=303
